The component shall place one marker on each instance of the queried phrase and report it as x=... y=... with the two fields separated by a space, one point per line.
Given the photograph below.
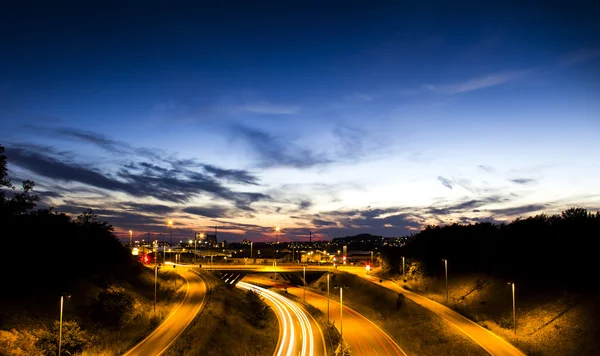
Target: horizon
x=339 y=121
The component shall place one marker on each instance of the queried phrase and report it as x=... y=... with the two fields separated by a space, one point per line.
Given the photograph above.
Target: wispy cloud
x=478 y=83
x=445 y=182
x=273 y=151
x=523 y=181
x=266 y=107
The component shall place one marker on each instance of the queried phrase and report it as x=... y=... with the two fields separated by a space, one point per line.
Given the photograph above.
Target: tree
x=257 y=312
x=112 y=308
x=73 y=339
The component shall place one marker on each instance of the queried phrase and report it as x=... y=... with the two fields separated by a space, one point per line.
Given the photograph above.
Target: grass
x=222 y=329
x=417 y=330
x=24 y=327
x=548 y=323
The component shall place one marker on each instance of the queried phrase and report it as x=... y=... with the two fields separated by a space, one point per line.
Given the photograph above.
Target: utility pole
x=328 y=297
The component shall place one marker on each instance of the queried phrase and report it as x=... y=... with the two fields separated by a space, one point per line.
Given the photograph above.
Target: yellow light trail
x=282 y=307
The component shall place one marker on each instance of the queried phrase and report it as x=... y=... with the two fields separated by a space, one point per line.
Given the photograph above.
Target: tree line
x=545 y=251
x=49 y=253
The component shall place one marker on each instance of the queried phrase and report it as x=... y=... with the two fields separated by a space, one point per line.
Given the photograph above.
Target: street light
x=130 y=237
x=62 y=297
x=251 y=260
x=446 y=269
x=328 y=274
x=371 y=258
x=277 y=229
x=304 y=289
x=341 y=288
x=403 y=267
x=170 y=232
x=155 y=284
x=514 y=307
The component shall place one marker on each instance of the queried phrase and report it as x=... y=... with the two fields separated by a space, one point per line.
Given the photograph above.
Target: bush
x=73 y=339
x=18 y=343
x=257 y=312
x=112 y=308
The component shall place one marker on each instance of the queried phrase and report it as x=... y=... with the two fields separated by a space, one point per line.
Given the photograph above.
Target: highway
x=489 y=341
x=363 y=336
x=177 y=321
x=299 y=334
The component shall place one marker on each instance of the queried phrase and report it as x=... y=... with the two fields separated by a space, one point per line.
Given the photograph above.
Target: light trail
x=283 y=307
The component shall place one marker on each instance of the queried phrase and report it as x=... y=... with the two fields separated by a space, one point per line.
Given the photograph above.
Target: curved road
x=363 y=336
x=176 y=322
x=489 y=341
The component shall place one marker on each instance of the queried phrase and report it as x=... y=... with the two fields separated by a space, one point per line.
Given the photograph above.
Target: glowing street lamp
x=130 y=237
x=514 y=307
x=341 y=311
x=446 y=269
x=62 y=298
x=170 y=223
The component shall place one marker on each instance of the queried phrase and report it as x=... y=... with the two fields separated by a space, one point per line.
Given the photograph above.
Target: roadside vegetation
x=233 y=322
x=417 y=330
x=108 y=295
x=549 y=258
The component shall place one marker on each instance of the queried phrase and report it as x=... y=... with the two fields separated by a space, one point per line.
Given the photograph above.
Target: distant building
x=211 y=240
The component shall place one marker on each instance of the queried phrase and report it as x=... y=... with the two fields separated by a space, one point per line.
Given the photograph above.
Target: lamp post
x=155 y=284
x=277 y=229
x=130 y=237
x=304 y=289
x=341 y=288
x=514 y=307
x=251 y=260
x=62 y=298
x=328 y=297
x=403 y=267
x=446 y=270
x=371 y=258
x=170 y=232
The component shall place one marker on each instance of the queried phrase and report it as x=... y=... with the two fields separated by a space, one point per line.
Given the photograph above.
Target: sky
x=325 y=117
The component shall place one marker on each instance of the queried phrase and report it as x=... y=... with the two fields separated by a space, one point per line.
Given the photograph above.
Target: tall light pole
x=328 y=297
x=371 y=258
x=446 y=269
x=341 y=288
x=403 y=276
x=155 y=284
x=277 y=229
x=251 y=260
x=304 y=289
x=170 y=232
x=514 y=307
x=62 y=298
x=130 y=238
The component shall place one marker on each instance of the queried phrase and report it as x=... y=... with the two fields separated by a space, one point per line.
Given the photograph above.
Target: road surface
x=363 y=336
x=176 y=322
x=489 y=341
x=299 y=334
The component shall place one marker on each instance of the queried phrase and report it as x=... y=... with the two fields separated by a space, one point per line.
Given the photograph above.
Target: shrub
x=73 y=339
x=112 y=308
x=257 y=312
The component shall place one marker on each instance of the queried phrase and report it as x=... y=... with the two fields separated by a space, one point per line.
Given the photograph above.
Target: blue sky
x=368 y=117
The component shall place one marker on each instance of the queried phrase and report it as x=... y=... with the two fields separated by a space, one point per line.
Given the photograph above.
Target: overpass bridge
x=291 y=273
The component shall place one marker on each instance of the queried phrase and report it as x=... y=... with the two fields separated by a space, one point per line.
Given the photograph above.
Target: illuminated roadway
x=489 y=341
x=363 y=336
x=299 y=334
x=177 y=321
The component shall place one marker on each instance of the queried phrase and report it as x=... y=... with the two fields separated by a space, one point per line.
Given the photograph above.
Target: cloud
x=233 y=175
x=445 y=182
x=266 y=107
x=304 y=204
x=157 y=209
x=466 y=206
x=519 y=210
x=486 y=81
x=209 y=211
x=486 y=168
x=136 y=179
x=523 y=181
x=321 y=223
x=273 y=151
